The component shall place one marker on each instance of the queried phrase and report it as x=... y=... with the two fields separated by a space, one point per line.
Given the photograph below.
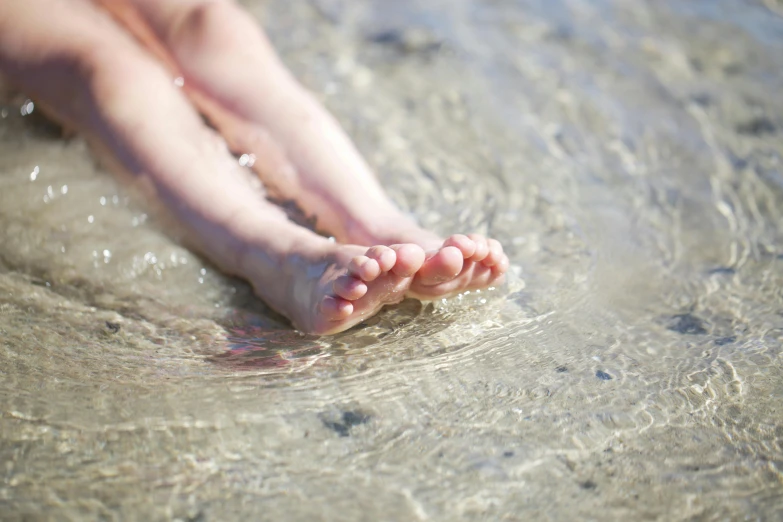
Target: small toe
x=349 y=288
x=481 y=276
x=444 y=265
x=497 y=280
x=482 y=248
x=335 y=308
x=384 y=256
x=410 y=259
x=364 y=268
x=501 y=267
x=465 y=245
x=495 y=253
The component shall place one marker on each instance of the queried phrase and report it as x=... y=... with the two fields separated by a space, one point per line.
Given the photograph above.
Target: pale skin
x=107 y=70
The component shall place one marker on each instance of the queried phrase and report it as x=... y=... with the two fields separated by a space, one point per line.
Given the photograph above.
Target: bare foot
x=234 y=76
x=325 y=288
x=91 y=76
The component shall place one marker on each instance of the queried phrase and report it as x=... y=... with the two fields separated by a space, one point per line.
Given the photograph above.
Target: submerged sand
x=628 y=154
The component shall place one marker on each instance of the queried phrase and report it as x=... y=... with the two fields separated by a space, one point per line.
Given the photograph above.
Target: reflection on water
x=629 y=157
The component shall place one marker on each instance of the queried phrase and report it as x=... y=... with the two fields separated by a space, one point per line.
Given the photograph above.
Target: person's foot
x=325 y=288
x=234 y=76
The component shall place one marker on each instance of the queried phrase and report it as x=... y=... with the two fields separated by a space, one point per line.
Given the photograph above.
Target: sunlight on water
x=628 y=156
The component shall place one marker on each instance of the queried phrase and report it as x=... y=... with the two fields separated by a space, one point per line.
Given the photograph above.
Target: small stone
x=724 y=340
x=603 y=375
x=561 y=369
x=347 y=420
x=757 y=126
x=407 y=41
x=354 y=418
x=687 y=324
x=113 y=327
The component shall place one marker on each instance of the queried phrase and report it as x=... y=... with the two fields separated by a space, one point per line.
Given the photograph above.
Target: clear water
x=628 y=154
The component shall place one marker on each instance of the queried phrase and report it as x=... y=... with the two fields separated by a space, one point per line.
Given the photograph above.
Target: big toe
x=444 y=265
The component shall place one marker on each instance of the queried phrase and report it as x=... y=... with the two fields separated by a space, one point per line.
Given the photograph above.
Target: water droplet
x=179 y=81
x=247 y=160
x=90 y=219
x=34 y=173
x=203 y=271
x=64 y=189
x=107 y=253
x=27 y=107
x=4 y=113
x=115 y=199
x=103 y=201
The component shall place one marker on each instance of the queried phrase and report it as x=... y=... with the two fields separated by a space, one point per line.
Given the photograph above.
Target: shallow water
x=628 y=155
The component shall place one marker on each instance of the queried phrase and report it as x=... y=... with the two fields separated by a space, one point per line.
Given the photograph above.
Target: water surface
x=628 y=155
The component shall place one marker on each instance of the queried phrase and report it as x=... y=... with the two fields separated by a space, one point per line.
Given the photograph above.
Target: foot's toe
x=495 y=253
x=497 y=280
x=364 y=268
x=465 y=245
x=501 y=267
x=384 y=256
x=410 y=258
x=481 y=275
x=335 y=308
x=443 y=266
x=350 y=288
x=482 y=248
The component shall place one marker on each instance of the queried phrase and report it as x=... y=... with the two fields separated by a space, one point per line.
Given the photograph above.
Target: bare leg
x=91 y=76
x=235 y=77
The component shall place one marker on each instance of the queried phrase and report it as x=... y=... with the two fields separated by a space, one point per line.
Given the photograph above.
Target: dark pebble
x=391 y=36
x=687 y=324
x=113 y=327
x=337 y=427
x=757 y=127
x=727 y=270
x=561 y=369
x=588 y=484
x=603 y=375
x=724 y=340
x=348 y=420
x=354 y=418
x=409 y=41
x=508 y=454
x=702 y=100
